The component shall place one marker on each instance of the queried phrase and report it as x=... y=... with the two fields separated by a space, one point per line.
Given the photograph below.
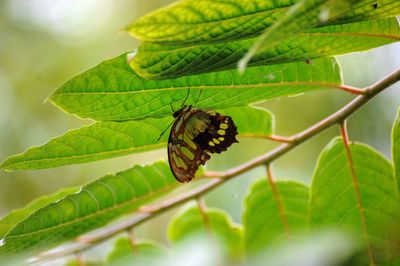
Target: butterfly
x=195 y=133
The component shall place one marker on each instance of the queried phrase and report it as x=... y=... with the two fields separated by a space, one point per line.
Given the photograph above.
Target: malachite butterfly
x=195 y=134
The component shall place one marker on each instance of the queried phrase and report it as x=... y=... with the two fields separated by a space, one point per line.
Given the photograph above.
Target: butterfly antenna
x=187 y=96
x=198 y=97
x=172 y=106
x=163 y=132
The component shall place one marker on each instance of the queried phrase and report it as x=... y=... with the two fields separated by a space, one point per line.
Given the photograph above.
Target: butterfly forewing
x=194 y=134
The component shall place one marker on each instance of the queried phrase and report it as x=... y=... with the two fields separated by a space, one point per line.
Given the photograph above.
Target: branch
x=218 y=178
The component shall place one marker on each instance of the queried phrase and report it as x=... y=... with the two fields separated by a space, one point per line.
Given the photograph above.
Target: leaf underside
x=113 y=91
x=95 y=205
x=104 y=140
x=334 y=202
x=157 y=61
x=190 y=222
x=265 y=223
x=205 y=21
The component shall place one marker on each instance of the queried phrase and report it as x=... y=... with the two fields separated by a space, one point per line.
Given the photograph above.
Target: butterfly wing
x=194 y=134
x=220 y=134
x=184 y=154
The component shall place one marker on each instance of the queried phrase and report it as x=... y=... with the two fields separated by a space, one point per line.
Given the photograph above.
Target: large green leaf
x=90 y=143
x=16 y=216
x=199 y=21
x=335 y=204
x=157 y=61
x=95 y=205
x=215 y=223
x=142 y=253
x=396 y=149
x=111 y=139
x=303 y=16
x=112 y=91
x=268 y=220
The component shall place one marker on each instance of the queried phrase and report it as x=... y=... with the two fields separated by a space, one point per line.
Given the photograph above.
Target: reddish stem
x=280 y=138
x=79 y=259
x=352 y=90
x=277 y=197
x=132 y=241
x=202 y=208
x=345 y=137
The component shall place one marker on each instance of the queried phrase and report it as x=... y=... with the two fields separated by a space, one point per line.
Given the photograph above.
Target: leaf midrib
x=254 y=14
x=203 y=87
x=81 y=155
x=79 y=219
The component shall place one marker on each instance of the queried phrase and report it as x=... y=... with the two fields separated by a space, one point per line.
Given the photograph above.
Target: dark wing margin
x=220 y=134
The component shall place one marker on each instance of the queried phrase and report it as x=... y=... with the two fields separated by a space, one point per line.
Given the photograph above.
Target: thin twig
x=221 y=177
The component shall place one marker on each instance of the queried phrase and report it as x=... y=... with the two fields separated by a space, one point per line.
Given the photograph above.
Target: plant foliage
x=189 y=55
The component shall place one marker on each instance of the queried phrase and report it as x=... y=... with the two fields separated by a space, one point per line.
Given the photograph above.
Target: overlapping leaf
x=268 y=220
x=157 y=61
x=95 y=205
x=16 y=216
x=396 y=149
x=112 y=91
x=303 y=16
x=214 y=223
x=205 y=21
x=367 y=208
x=111 y=139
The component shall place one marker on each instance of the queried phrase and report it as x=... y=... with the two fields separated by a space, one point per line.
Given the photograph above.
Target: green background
x=43 y=43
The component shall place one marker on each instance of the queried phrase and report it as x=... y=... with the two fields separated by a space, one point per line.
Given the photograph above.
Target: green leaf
x=16 y=216
x=95 y=205
x=268 y=219
x=112 y=91
x=104 y=140
x=142 y=253
x=251 y=121
x=205 y=21
x=317 y=249
x=215 y=223
x=396 y=149
x=335 y=205
x=90 y=143
x=157 y=61
x=303 y=16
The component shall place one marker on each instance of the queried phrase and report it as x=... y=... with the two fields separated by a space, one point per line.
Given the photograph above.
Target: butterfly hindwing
x=219 y=135
x=194 y=134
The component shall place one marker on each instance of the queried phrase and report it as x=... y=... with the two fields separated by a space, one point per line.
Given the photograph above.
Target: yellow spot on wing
x=216 y=141
x=221 y=132
x=221 y=138
x=211 y=143
x=223 y=126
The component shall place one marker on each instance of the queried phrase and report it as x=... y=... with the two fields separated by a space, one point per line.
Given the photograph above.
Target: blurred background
x=43 y=43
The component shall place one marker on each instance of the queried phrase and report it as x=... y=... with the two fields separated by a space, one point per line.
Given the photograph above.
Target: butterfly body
x=195 y=134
